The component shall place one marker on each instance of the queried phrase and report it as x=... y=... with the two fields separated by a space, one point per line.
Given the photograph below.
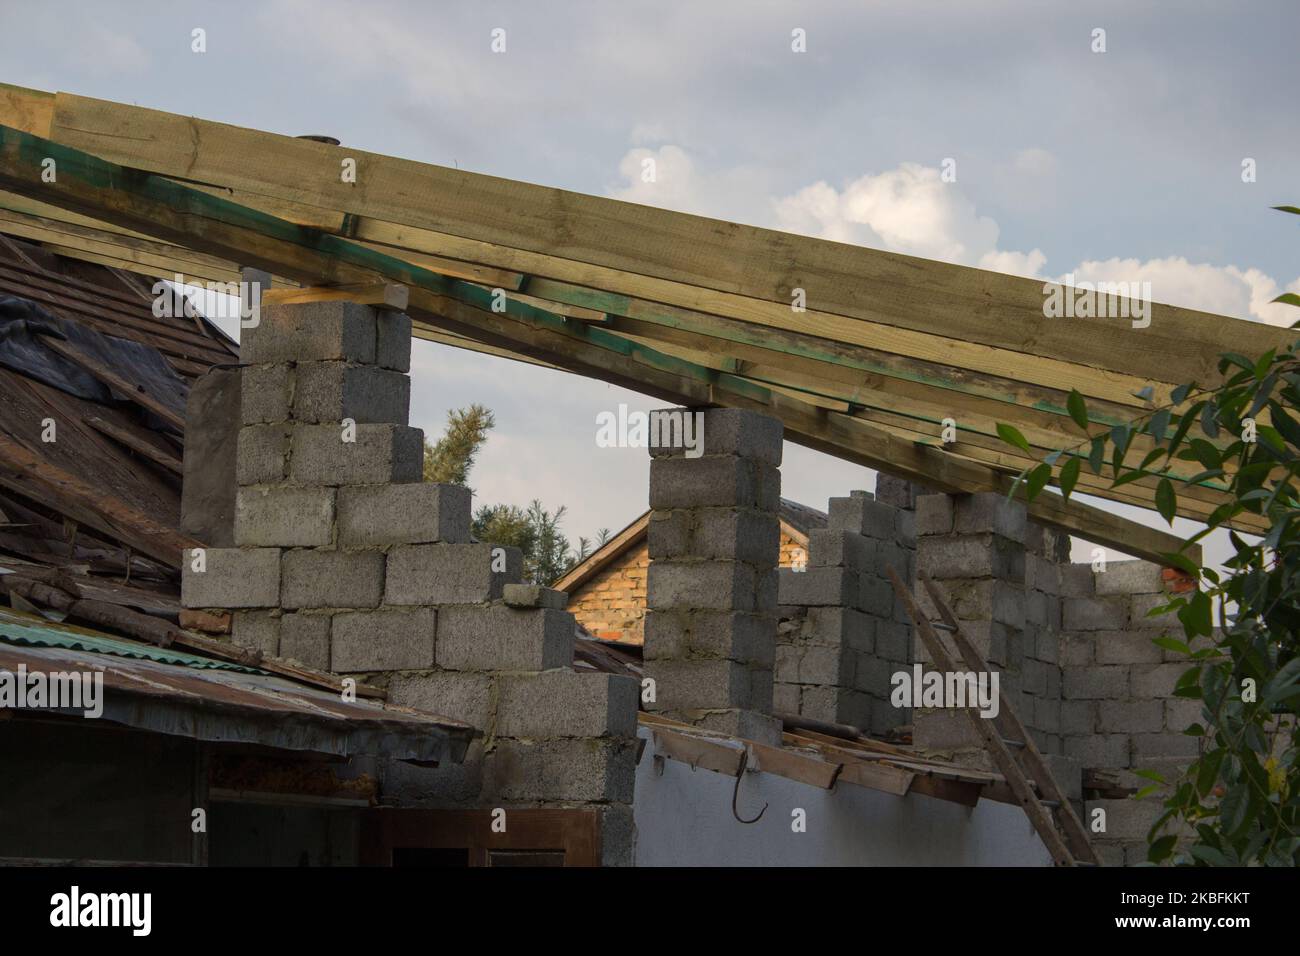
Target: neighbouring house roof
x=797 y=520
x=188 y=696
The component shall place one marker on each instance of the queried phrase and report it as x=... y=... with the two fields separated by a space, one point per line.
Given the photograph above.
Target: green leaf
x=1078 y=409
x=1037 y=480
x=1069 y=477
x=1011 y=435
x=1166 y=500
x=1172 y=644
x=1234 y=809
x=1205 y=453
x=1097 y=455
x=1291 y=209
x=1288 y=298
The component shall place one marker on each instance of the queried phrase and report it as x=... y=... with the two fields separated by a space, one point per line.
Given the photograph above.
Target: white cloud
x=910 y=209
x=1222 y=290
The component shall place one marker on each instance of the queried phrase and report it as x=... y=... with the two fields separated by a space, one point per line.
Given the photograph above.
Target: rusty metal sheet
x=223 y=706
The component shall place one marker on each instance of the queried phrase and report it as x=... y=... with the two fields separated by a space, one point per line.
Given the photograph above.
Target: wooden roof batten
x=686 y=309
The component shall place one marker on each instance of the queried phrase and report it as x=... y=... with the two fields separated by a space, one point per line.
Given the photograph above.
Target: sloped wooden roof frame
x=687 y=309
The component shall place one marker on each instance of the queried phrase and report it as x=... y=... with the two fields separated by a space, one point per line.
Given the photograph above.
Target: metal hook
x=735 y=793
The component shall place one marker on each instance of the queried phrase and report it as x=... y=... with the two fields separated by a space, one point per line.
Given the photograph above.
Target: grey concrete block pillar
x=714 y=533
x=973 y=546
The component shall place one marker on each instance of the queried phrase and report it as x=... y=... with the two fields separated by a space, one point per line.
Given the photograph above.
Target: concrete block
x=847 y=627
x=1078 y=650
x=415 y=513
x=232 y=578
x=461 y=695
x=1047 y=645
x=715 y=534
x=561 y=770
x=718 y=482
x=833 y=666
x=379 y=454
x=333 y=391
x=934 y=514
x=707 y=585
x=386 y=640
x=1047 y=714
x=1126 y=818
x=1042 y=575
x=1181 y=714
x=262 y=454
x=313 y=332
x=1078 y=717
x=699 y=685
x=566 y=703
x=1076 y=580
x=393 y=341
x=534 y=595
x=905 y=528
x=257 y=630
x=709 y=635
x=1098 y=751
x=1096 y=683
x=264 y=393
x=899 y=492
x=876 y=597
x=496 y=637
x=722 y=432
x=1164 y=745
x=989 y=512
x=1140 y=606
x=1094 y=614
x=450 y=573
x=894 y=641
x=745 y=724
x=818 y=587
x=970 y=556
x=617 y=835
x=284 y=516
x=1128 y=647
x=842 y=549
x=1129 y=577
x=861 y=515
x=1130 y=716
x=344 y=579
x=305 y=638
x=785 y=698
x=1156 y=680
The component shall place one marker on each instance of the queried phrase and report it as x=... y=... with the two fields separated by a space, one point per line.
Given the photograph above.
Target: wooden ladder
x=1012 y=747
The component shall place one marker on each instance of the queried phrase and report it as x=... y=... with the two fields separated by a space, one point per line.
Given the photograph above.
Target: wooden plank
x=222 y=228
x=137 y=444
x=128 y=389
x=31 y=476
x=727 y=258
x=387 y=296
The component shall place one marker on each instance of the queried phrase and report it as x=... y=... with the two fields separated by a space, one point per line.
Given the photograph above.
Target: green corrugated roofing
x=19 y=628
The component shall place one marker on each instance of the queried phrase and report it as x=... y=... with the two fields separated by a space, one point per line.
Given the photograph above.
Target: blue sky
x=1125 y=164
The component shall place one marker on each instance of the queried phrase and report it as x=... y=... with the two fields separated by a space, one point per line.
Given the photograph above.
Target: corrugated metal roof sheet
x=28 y=629
x=225 y=706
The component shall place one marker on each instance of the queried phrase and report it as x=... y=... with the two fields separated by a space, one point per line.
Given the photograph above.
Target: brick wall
x=611 y=604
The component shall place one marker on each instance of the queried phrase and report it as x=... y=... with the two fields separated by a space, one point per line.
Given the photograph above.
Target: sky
x=1149 y=151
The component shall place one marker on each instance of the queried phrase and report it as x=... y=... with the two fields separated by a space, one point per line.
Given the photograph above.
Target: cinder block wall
x=1118 y=711
x=345 y=560
x=710 y=626
x=843 y=632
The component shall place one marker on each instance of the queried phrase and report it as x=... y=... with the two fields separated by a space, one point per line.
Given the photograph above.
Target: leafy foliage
x=534 y=530
x=1240 y=800
x=450 y=459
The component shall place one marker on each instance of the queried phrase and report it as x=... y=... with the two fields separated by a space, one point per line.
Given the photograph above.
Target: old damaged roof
x=183 y=695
